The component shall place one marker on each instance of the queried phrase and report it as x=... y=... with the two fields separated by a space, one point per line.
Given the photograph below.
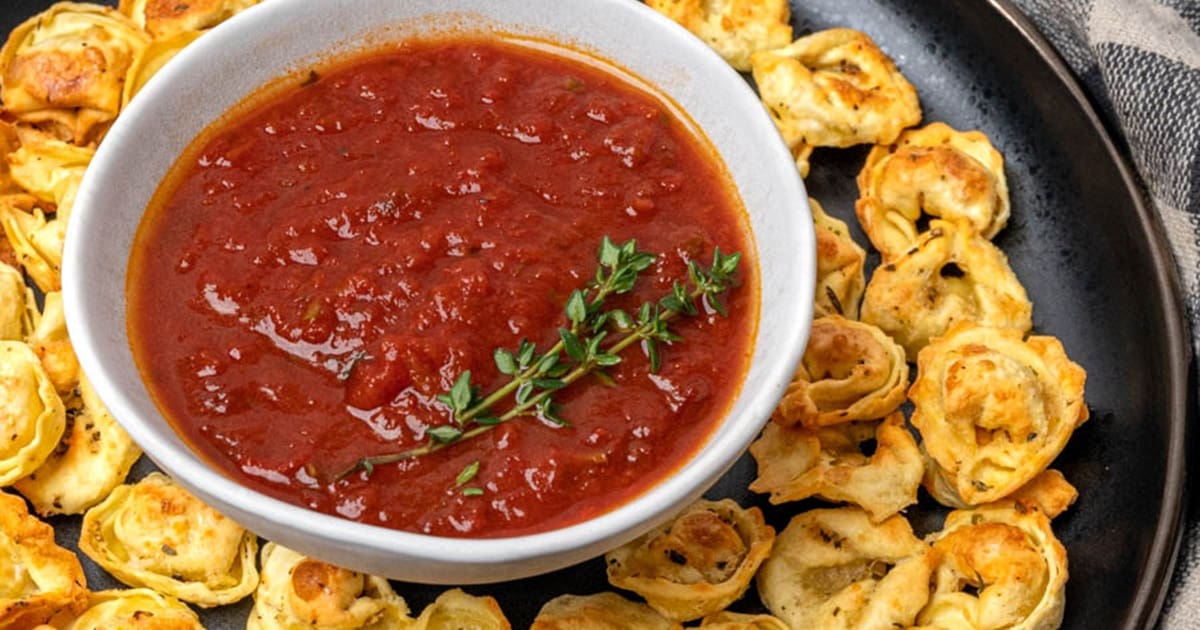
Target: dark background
x=1078 y=243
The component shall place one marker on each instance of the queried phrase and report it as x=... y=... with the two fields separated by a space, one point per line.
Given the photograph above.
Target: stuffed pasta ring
x=840 y=277
x=850 y=371
x=796 y=463
x=834 y=88
x=139 y=608
x=733 y=28
x=836 y=569
x=16 y=304
x=601 y=611
x=155 y=534
x=951 y=275
x=937 y=171
x=999 y=566
x=993 y=409
x=32 y=416
x=41 y=579
x=296 y=592
x=696 y=564
x=456 y=609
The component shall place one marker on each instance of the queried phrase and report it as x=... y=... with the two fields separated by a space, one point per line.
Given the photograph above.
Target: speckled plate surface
x=1094 y=263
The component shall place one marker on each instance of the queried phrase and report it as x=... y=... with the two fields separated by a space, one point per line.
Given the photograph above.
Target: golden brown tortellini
x=726 y=620
x=835 y=569
x=952 y=275
x=16 y=305
x=840 y=277
x=135 y=609
x=50 y=342
x=998 y=567
x=933 y=171
x=32 y=416
x=850 y=371
x=298 y=593
x=165 y=18
x=36 y=240
x=994 y=409
x=153 y=58
x=155 y=534
x=63 y=69
x=795 y=463
x=41 y=579
x=602 y=611
x=94 y=457
x=49 y=169
x=696 y=564
x=733 y=28
x=834 y=88
x=458 y=610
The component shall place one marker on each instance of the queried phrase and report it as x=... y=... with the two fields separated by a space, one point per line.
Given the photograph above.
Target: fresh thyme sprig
x=580 y=349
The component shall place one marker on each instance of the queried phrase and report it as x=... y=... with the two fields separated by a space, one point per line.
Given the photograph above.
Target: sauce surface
x=320 y=266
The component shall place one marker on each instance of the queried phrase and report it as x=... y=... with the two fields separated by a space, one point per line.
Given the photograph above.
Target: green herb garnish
x=582 y=348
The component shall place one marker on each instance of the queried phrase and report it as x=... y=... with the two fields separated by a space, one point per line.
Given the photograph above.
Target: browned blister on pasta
x=157 y=535
x=951 y=275
x=166 y=18
x=93 y=457
x=601 y=611
x=850 y=371
x=834 y=88
x=32 y=416
x=63 y=69
x=296 y=592
x=795 y=463
x=734 y=28
x=40 y=579
x=840 y=276
x=999 y=566
x=836 y=569
x=994 y=409
x=134 y=609
x=934 y=171
x=696 y=564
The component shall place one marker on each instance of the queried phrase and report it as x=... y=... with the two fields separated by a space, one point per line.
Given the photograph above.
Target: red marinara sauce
x=325 y=261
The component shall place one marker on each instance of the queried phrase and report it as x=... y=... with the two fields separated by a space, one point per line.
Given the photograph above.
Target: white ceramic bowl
x=280 y=37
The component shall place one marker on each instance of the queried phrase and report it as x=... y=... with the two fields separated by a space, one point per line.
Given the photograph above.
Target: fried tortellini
x=696 y=564
x=456 y=609
x=153 y=58
x=94 y=457
x=994 y=409
x=41 y=579
x=850 y=371
x=16 y=305
x=834 y=88
x=36 y=239
x=32 y=416
x=49 y=169
x=135 y=609
x=602 y=611
x=50 y=342
x=733 y=28
x=952 y=275
x=835 y=569
x=796 y=463
x=840 y=277
x=999 y=566
x=935 y=171
x=298 y=593
x=63 y=69
x=166 y=18
x=155 y=534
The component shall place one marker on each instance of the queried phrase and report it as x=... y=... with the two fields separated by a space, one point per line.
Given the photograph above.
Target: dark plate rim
x=1155 y=578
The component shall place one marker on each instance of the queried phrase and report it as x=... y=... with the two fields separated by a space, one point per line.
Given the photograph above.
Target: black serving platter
x=1091 y=255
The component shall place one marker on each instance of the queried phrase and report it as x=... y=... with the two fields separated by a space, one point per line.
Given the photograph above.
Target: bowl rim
x=698 y=472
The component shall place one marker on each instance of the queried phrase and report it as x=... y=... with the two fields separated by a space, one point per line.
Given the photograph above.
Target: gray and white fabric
x=1140 y=62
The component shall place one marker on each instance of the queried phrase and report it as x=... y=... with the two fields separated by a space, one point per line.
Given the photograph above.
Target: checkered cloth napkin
x=1140 y=61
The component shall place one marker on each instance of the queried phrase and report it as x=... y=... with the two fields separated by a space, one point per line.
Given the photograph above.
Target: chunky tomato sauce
x=321 y=265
